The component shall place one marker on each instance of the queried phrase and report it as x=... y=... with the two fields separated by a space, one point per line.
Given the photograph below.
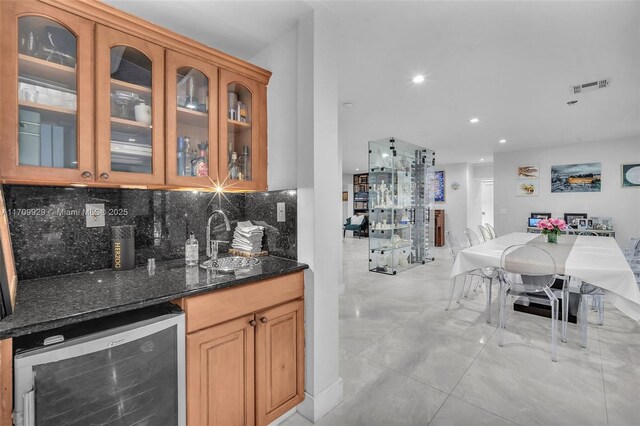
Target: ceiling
x=509 y=63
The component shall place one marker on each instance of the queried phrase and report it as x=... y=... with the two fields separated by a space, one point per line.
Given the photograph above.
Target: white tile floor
x=404 y=360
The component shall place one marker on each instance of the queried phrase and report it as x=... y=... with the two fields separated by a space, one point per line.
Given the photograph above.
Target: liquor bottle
x=182 y=156
x=202 y=163
x=246 y=163
x=193 y=158
x=233 y=166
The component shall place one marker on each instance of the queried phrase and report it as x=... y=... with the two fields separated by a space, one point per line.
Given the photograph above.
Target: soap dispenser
x=191 y=254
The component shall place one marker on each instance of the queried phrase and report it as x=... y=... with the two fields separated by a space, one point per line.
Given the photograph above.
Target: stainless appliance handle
x=29 y=408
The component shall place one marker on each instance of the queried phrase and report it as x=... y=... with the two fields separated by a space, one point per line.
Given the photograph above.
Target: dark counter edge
x=48 y=325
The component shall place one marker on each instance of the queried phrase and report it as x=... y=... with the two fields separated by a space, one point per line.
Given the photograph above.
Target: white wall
x=319 y=207
x=281 y=58
x=455 y=205
x=623 y=205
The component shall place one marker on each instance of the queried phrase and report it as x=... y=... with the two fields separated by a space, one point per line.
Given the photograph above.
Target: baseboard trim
x=313 y=408
x=283 y=417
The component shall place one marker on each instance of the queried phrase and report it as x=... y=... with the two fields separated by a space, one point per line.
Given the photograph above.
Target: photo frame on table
x=582 y=223
x=630 y=175
x=538 y=215
x=528 y=172
x=438 y=183
x=572 y=219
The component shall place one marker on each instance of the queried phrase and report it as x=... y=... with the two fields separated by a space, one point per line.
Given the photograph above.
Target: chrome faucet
x=212 y=246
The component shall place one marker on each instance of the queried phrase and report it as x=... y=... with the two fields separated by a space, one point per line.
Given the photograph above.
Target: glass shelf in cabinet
x=383 y=249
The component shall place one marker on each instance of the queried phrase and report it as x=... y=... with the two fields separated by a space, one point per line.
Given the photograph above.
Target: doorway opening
x=487 y=201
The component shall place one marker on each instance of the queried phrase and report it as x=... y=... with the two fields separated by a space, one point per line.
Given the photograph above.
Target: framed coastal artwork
x=438 y=186
x=528 y=172
x=527 y=188
x=631 y=175
x=585 y=177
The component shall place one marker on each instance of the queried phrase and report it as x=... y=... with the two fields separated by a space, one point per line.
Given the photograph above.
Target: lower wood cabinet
x=279 y=361
x=220 y=374
x=248 y=370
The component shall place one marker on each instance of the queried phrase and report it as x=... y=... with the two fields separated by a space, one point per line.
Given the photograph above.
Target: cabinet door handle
x=264 y=320
x=86 y=174
x=252 y=323
x=104 y=176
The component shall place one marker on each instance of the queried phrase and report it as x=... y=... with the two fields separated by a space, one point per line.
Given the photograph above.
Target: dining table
x=595 y=260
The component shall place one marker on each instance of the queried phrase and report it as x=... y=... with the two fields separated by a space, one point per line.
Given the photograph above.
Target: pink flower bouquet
x=551 y=226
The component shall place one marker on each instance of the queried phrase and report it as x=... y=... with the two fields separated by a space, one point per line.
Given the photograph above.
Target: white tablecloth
x=594 y=260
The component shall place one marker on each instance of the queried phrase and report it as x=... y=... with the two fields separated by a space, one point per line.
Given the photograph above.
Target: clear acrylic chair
x=597 y=301
x=486 y=235
x=454 y=246
x=527 y=270
x=491 y=230
x=472 y=237
x=597 y=295
x=486 y=275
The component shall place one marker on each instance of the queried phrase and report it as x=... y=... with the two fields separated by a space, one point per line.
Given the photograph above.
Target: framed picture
x=537 y=215
x=528 y=172
x=631 y=175
x=576 y=178
x=527 y=188
x=572 y=218
x=345 y=196
x=438 y=186
x=582 y=223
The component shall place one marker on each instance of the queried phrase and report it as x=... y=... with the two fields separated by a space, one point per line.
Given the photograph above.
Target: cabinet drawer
x=223 y=305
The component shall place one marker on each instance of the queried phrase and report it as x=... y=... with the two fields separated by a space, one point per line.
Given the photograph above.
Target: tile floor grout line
x=403 y=374
x=465 y=373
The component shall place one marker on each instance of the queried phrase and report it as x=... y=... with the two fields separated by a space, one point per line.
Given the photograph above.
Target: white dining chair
x=486 y=275
x=491 y=230
x=486 y=235
x=472 y=237
x=526 y=269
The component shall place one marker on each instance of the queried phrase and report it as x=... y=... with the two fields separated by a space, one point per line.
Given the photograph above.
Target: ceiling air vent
x=586 y=87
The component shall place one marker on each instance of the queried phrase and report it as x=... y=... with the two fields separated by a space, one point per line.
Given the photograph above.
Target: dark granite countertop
x=47 y=303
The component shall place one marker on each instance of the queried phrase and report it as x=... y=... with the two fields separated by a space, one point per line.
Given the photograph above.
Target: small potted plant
x=552 y=227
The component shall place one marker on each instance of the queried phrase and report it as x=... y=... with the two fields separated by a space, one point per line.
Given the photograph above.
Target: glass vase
x=552 y=238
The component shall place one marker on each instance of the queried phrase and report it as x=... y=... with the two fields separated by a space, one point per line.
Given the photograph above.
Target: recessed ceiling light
x=357 y=170
x=502 y=141
x=347 y=104
x=418 y=78
x=482 y=159
x=474 y=120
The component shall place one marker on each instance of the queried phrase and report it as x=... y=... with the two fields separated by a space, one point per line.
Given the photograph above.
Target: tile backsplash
x=50 y=236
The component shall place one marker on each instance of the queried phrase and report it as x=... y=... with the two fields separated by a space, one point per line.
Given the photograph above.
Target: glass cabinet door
x=129 y=99
x=192 y=127
x=241 y=150
x=53 y=53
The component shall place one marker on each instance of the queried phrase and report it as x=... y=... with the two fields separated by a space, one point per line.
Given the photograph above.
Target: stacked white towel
x=248 y=237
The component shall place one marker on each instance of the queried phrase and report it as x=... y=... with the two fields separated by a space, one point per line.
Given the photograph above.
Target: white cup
x=143 y=113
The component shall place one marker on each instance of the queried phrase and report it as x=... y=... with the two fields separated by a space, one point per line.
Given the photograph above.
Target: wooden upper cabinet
x=220 y=374
x=243 y=141
x=46 y=102
x=192 y=121
x=279 y=361
x=129 y=109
